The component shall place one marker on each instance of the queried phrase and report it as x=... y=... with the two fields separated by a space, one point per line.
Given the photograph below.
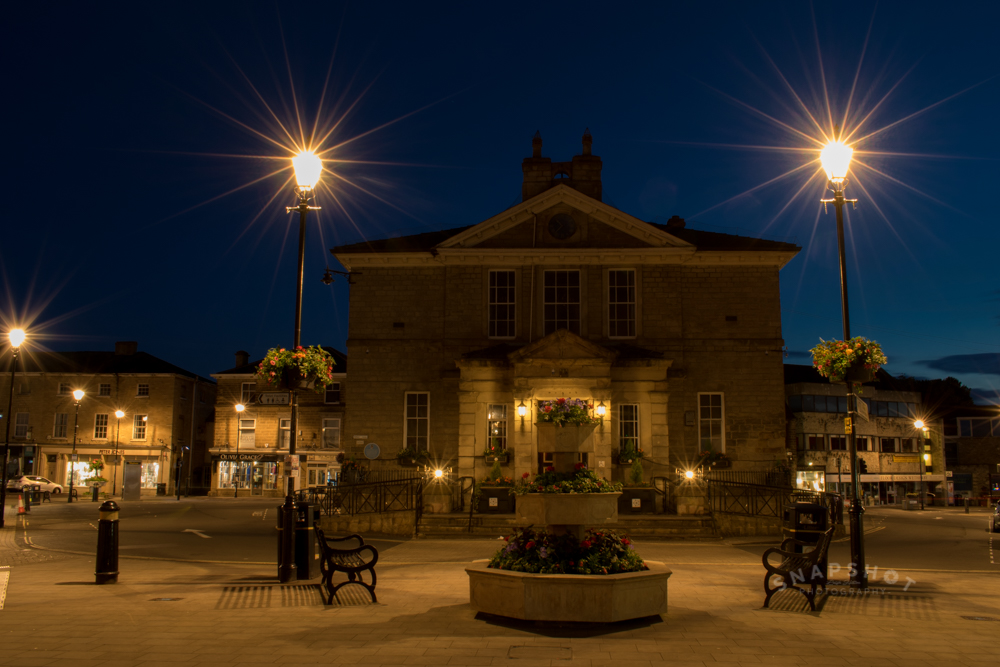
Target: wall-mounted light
x=601 y=410
x=522 y=410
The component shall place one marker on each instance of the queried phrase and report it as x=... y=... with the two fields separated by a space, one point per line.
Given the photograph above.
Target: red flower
x=547 y=408
x=561 y=401
x=572 y=564
x=585 y=544
x=550 y=469
x=530 y=544
x=626 y=541
x=506 y=538
x=526 y=475
x=272 y=362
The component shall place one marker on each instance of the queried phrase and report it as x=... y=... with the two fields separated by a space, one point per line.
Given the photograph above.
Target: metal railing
x=389 y=491
x=774 y=478
x=665 y=489
x=727 y=497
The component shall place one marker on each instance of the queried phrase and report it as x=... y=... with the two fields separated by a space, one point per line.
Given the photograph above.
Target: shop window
x=711 y=435
x=150 y=474
x=496 y=426
x=101 y=427
x=81 y=472
x=811 y=480
x=502 y=304
x=417 y=418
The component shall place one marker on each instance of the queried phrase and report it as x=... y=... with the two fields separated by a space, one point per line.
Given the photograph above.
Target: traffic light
x=862 y=466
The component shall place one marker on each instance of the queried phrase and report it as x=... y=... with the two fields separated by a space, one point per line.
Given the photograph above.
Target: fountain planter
x=572 y=438
x=637 y=500
x=569 y=597
x=496 y=500
x=567 y=509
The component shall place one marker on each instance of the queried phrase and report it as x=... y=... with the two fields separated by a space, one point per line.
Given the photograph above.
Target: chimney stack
x=242 y=358
x=536 y=144
x=588 y=141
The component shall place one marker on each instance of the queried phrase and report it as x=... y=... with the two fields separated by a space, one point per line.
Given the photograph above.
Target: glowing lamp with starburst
x=308 y=167
x=836 y=159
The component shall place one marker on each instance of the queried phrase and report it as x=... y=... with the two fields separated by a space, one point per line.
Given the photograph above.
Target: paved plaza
x=173 y=613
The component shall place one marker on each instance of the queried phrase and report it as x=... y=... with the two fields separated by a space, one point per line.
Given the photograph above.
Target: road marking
x=868 y=531
x=197 y=532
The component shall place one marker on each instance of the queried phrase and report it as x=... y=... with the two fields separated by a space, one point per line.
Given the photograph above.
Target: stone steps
x=654 y=526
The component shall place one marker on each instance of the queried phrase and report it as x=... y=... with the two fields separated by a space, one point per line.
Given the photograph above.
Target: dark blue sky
x=123 y=131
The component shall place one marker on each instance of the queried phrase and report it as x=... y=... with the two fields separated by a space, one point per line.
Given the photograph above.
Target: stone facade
x=891 y=449
x=699 y=314
x=177 y=406
x=251 y=460
x=972 y=442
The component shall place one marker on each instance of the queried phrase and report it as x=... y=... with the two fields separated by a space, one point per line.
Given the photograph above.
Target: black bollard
x=286 y=541
x=26 y=492
x=107 y=544
x=95 y=494
x=966 y=505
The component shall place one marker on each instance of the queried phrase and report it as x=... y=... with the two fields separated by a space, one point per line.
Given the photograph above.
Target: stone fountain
x=568 y=597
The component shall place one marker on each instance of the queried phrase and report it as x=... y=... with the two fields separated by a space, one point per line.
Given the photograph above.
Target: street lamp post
x=78 y=395
x=308 y=167
x=16 y=337
x=118 y=432
x=836 y=158
x=236 y=479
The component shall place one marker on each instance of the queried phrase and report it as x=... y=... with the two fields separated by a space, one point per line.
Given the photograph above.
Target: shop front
x=246 y=474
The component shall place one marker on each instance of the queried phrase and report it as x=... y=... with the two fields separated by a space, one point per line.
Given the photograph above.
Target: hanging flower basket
x=854 y=361
x=302 y=368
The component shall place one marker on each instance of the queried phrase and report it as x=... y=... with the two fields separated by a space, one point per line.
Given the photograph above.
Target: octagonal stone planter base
x=582 y=509
x=569 y=597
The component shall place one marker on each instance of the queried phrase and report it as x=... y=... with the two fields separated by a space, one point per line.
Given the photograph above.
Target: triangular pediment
x=562 y=346
x=562 y=217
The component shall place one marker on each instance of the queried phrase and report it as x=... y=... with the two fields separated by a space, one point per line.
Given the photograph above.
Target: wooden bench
x=798 y=568
x=337 y=554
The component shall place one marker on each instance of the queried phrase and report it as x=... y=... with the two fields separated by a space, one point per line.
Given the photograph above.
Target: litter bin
x=306 y=517
x=34 y=491
x=161 y=489
x=806 y=522
x=912 y=501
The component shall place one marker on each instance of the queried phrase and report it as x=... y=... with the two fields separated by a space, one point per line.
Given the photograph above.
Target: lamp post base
x=859 y=570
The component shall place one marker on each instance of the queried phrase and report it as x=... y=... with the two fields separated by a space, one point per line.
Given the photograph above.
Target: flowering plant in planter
x=347 y=463
x=581 y=480
x=417 y=456
x=564 y=411
x=711 y=457
x=600 y=552
x=495 y=448
x=834 y=359
x=630 y=451
x=309 y=362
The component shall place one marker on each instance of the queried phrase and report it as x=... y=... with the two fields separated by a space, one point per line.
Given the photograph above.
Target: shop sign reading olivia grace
x=241 y=457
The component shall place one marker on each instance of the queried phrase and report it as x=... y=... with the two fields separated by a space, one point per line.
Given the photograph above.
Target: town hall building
x=672 y=334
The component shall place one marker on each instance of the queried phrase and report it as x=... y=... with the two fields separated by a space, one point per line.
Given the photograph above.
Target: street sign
x=372 y=451
x=905 y=458
x=847 y=425
x=862 y=407
x=274 y=398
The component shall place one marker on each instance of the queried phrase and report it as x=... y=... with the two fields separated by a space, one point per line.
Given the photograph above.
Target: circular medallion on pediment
x=562 y=226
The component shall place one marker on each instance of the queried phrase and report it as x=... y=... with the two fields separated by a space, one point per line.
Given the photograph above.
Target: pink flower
x=272 y=362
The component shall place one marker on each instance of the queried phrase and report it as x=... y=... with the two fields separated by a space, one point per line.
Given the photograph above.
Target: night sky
x=139 y=140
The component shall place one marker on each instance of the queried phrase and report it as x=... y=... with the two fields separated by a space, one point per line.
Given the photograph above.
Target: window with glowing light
x=61 y=425
x=562 y=301
x=417 y=417
x=502 y=302
x=331 y=433
x=621 y=303
x=139 y=427
x=150 y=474
x=711 y=422
x=496 y=426
x=101 y=427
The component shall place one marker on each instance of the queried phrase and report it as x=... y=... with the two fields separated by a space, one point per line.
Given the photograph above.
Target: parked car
x=995 y=520
x=32 y=480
